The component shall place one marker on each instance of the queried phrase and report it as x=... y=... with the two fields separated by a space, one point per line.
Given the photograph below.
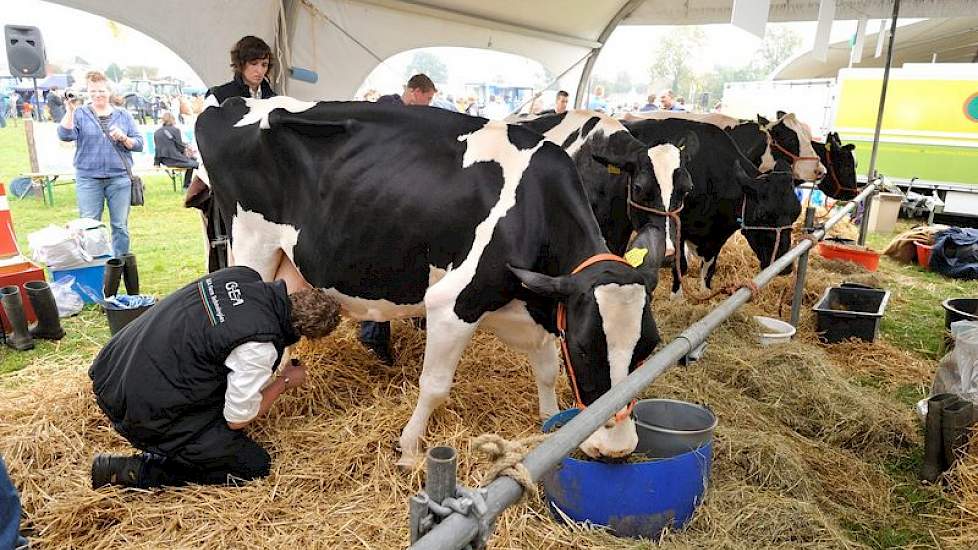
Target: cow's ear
x=309 y=125
x=688 y=145
x=781 y=114
x=544 y=285
x=848 y=147
x=762 y=121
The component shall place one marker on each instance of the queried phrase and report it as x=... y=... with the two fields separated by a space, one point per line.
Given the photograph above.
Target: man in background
x=419 y=90
x=668 y=101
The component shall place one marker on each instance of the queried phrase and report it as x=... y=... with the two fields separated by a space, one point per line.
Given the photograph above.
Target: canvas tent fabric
x=557 y=33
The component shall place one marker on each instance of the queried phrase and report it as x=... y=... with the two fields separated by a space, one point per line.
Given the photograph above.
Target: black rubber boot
x=46 y=309
x=955 y=423
x=113 y=275
x=935 y=463
x=376 y=337
x=130 y=274
x=125 y=471
x=13 y=306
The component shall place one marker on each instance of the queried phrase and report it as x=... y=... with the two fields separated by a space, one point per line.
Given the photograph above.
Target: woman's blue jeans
x=92 y=195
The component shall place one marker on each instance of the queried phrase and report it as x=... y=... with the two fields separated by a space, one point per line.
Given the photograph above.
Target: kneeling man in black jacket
x=182 y=380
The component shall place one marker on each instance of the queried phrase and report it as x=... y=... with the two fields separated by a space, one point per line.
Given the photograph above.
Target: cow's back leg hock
x=447 y=337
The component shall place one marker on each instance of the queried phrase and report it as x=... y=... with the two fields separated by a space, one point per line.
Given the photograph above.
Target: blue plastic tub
x=631 y=499
x=90 y=275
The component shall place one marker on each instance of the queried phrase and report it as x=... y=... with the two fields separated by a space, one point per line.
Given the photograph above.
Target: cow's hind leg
x=514 y=326
x=446 y=339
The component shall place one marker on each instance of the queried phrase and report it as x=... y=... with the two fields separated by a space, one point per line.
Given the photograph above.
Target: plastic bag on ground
x=957 y=371
x=57 y=247
x=92 y=235
x=126 y=301
x=69 y=302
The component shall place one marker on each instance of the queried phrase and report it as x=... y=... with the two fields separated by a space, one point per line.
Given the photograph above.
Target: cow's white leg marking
x=513 y=325
x=258 y=109
x=704 y=270
x=447 y=336
x=258 y=243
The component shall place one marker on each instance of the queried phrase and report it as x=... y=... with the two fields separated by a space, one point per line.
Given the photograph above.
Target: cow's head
x=768 y=209
x=610 y=331
x=791 y=140
x=839 y=181
x=668 y=162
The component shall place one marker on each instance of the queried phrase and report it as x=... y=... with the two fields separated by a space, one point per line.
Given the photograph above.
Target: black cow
x=840 y=163
x=615 y=168
x=729 y=194
x=405 y=212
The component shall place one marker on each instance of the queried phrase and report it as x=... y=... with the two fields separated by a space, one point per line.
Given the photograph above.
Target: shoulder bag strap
x=115 y=146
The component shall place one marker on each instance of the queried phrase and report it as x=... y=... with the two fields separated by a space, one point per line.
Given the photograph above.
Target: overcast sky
x=68 y=33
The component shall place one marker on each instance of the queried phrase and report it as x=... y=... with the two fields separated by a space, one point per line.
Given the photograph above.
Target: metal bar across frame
x=457 y=531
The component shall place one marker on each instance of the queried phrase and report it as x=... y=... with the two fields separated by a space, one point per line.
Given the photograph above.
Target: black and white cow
x=401 y=212
x=615 y=168
x=729 y=194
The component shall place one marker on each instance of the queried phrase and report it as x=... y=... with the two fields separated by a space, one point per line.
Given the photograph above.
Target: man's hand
x=294 y=375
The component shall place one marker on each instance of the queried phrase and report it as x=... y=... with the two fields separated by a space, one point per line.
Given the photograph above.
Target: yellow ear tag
x=636 y=256
x=612 y=169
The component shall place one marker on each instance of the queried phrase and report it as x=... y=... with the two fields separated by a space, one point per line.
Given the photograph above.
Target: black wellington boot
x=116 y=470
x=935 y=463
x=46 y=309
x=955 y=423
x=113 y=275
x=130 y=275
x=13 y=306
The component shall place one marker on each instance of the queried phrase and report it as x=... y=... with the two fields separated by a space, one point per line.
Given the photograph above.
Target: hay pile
x=797 y=463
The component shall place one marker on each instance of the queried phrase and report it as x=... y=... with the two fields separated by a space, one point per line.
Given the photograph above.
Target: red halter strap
x=777 y=230
x=562 y=330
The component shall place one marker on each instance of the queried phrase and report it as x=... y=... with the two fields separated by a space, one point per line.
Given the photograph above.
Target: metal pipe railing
x=457 y=531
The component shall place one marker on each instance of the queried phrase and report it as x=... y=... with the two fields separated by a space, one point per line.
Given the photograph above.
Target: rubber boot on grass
x=935 y=463
x=956 y=422
x=113 y=275
x=130 y=275
x=46 y=309
x=13 y=306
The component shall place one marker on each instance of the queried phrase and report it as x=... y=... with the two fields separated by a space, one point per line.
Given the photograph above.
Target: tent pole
x=582 y=85
x=871 y=175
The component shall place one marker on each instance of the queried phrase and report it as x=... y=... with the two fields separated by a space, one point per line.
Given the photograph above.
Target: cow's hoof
x=407 y=462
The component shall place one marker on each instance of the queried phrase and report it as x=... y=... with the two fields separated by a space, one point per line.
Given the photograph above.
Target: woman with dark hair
x=251 y=59
x=171 y=150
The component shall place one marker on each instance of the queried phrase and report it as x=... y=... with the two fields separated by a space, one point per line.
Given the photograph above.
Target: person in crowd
x=598 y=101
x=104 y=138
x=251 y=59
x=560 y=103
x=56 y=104
x=376 y=336
x=183 y=379
x=668 y=101
x=443 y=102
x=472 y=106
x=496 y=109
x=649 y=104
x=196 y=104
x=171 y=149
x=4 y=106
x=371 y=95
x=419 y=90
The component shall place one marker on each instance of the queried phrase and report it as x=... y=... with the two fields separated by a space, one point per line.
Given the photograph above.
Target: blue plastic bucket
x=630 y=499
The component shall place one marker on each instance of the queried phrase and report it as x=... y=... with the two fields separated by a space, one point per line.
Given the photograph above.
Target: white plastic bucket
x=774 y=331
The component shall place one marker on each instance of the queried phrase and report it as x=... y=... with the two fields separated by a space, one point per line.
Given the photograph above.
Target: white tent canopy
x=343 y=40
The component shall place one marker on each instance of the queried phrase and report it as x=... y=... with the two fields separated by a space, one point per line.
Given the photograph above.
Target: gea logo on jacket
x=234 y=293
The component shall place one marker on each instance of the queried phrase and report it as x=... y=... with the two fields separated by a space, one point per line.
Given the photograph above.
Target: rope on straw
x=507 y=457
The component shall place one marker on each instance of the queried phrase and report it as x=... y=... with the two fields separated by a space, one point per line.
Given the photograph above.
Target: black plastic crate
x=848 y=311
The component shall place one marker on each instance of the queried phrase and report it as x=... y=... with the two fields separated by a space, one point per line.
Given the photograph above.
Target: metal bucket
x=667 y=427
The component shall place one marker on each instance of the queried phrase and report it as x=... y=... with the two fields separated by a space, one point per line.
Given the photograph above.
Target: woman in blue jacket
x=100 y=172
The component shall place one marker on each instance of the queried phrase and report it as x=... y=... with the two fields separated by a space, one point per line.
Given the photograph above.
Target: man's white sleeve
x=251 y=368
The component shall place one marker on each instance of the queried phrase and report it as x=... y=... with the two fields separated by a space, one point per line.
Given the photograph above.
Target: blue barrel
x=637 y=499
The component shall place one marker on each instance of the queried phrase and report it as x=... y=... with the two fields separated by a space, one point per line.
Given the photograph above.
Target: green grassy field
x=166 y=238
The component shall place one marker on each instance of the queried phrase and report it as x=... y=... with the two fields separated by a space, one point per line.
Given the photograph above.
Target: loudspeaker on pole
x=25 y=51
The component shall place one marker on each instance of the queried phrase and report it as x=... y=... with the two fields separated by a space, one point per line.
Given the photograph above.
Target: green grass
x=166 y=238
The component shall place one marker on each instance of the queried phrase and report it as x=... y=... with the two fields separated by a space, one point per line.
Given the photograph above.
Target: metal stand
x=442 y=497
x=802 y=270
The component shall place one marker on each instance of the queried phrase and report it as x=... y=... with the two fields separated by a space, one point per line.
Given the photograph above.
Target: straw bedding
x=797 y=457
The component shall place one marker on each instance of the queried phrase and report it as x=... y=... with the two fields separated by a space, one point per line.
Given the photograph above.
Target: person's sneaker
x=115 y=470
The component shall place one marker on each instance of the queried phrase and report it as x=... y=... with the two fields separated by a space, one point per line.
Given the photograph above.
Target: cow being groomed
x=402 y=212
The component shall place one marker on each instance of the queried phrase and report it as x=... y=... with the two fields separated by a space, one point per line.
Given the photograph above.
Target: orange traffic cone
x=8 y=242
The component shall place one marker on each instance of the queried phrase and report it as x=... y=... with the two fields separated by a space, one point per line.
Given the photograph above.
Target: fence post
x=802 y=269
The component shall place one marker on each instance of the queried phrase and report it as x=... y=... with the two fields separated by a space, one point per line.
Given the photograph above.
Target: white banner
x=826 y=14
x=750 y=15
x=857 y=49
